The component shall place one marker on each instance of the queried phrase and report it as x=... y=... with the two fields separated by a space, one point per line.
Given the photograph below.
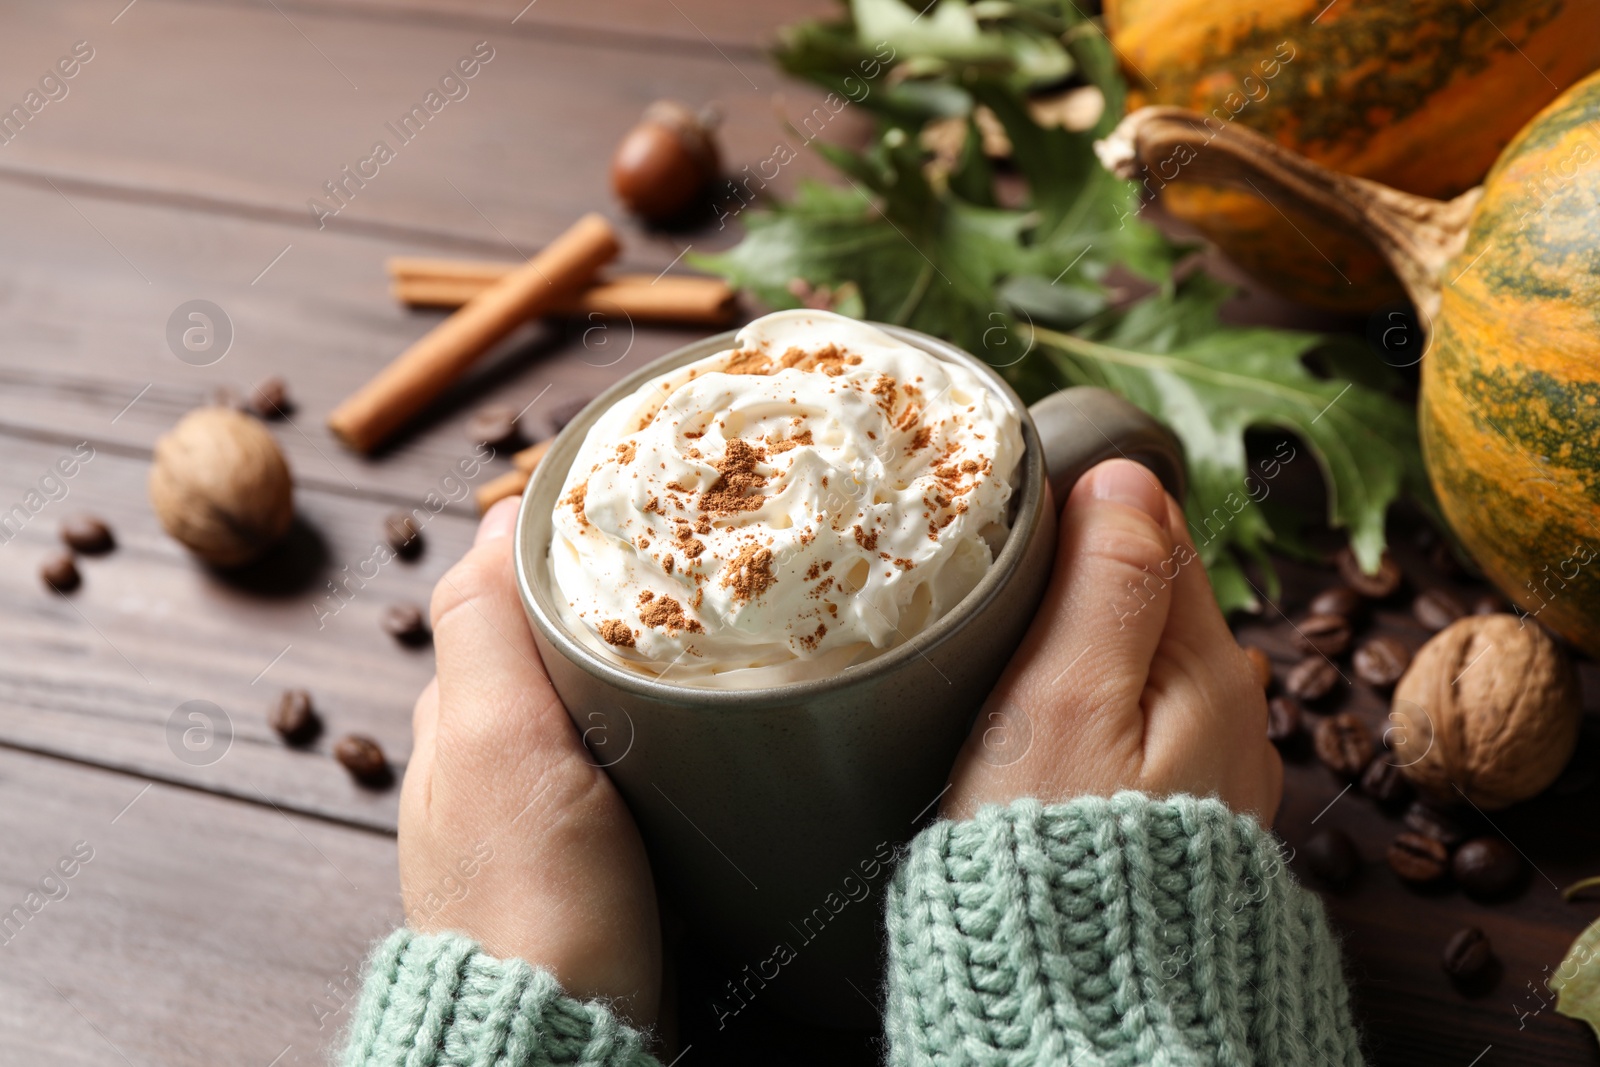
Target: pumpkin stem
x=1417 y=235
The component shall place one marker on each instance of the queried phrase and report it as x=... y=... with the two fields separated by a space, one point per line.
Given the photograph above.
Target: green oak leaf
x=1027 y=265
x=1577 y=981
x=1209 y=383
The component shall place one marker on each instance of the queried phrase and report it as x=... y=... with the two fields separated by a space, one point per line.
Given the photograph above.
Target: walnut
x=220 y=486
x=1489 y=710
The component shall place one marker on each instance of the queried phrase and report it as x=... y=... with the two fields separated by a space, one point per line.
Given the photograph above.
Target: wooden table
x=230 y=895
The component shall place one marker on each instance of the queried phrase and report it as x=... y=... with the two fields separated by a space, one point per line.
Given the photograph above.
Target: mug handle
x=1085 y=425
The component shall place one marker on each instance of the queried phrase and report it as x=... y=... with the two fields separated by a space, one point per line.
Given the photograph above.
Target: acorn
x=666 y=162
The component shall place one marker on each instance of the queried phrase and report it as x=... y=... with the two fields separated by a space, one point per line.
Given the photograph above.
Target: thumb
x=1104 y=612
x=494 y=694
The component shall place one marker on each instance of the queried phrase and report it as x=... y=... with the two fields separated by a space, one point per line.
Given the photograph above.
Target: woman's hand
x=1129 y=677
x=508 y=831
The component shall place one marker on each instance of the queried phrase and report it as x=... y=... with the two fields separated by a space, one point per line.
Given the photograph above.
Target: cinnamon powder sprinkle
x=616 y=632
x=665 y=613
x=750 y=573
x=575 y=499
x=866 y=540
x=738 y=482
x=625 y=452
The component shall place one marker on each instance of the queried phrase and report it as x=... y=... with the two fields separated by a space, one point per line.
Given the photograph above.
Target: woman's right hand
x=1129 y=677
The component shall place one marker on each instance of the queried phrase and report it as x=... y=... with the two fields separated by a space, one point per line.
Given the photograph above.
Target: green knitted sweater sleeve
x=436 y=1000
x=1110 y=931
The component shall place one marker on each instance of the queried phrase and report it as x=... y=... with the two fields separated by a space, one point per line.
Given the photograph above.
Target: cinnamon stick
x=511 y=483
x=640 y=297
x=368 y=417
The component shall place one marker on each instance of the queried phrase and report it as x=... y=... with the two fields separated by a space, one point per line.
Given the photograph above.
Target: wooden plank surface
x=84 y=339
x=100 y=674
x=270 y=109
x=199 y=931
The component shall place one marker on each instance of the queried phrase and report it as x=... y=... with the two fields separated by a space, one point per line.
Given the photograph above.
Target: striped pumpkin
x=1510 y=407
x=1421 y=95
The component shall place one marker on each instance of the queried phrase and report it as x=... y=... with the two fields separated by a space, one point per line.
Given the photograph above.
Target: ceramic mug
x=771 y=815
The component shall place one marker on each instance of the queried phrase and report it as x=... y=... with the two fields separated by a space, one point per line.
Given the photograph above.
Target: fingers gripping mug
x=772 y=814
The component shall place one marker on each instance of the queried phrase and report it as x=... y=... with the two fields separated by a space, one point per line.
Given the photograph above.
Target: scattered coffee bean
x=1467 y=955
x=87 y=534
x=400 y=530
x=1384 y=782
x=1426 y=819
x=1372 y=586
x=362 y=757
x=1260 y=665
x=1344 y=744
x=1417 y=857
x=293 y=718
x=567 y=410
x=1337 y=600
x=1437 y=608
x=1283 y=720
x=1487 y=867
x=1381 y=660
x=405 y=623
x=1311 y=679
x=60 y=572
x=495 y=426
x=1332 y=857
x=1328 y=635
x=1488 y=604
x=269 y=399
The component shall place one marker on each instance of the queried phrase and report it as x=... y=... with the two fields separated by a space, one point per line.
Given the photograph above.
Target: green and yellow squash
x=1508 y=276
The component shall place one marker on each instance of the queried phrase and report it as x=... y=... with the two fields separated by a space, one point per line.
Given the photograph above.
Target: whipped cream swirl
x=813 y=496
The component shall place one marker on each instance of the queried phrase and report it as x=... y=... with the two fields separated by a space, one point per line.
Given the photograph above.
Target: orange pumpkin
x=1420 y=95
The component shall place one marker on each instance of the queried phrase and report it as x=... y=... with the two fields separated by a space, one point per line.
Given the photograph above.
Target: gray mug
x=771 y=815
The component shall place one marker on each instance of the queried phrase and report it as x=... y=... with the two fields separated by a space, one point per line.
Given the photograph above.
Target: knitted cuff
x=432 y=1000
x=1118 y=931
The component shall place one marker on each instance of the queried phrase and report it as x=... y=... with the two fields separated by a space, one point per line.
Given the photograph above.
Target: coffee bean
x=1328 y=635
x=87 y=534
x=1283 y=720
x=1430 y=821
x=1467 y=955
x=1417 y=857
x=400 y=530
x=1372 y=586
x=1332 y=857
x=362 y=757
x=1437 y=608
x=1260 y=666
x=1381 y=660
x=60 y=572
x=495 y=426
x=565 y=411
x=293 y=718
x=405 y=623
x=1384 y=782
x=269 y=399
x=1344 y=744
x=1337 y=600
x=1487 y=604
x=1487 y=867
x=1311 y=679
